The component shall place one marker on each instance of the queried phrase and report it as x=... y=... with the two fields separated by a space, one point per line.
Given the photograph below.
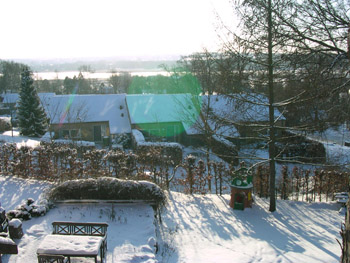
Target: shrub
x=107 y=188
x=123 y=139
x=5 y=124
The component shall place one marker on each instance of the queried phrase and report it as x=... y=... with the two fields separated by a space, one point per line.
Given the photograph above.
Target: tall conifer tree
x=32 y=119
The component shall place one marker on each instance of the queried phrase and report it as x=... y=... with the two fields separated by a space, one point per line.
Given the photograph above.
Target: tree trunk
x=345 y=234
x=271 y=113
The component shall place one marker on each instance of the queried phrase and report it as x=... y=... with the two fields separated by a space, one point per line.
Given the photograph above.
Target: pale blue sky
x=98 y=28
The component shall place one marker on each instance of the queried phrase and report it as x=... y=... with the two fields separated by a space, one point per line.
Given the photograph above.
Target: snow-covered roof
x=14 y=97
x=241 y=107
x=161 y=108
x=224 y=111
x=10 y=97
x=90 y=108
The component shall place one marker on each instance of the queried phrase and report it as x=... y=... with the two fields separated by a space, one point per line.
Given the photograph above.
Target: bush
x=171 y=149
x=27 y=210
x=107 y=188
x=122 y=139
x=5 y=124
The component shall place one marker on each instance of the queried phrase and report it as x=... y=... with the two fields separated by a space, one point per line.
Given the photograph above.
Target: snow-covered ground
x=131 y=231
x=194 y=228
x=334 y=141
x=14 y=137
x=338 y=135
x=206 y=229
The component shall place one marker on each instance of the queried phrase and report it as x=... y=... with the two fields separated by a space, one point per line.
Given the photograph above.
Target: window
x=65 y=134
x=71 y=134
x=75 y=133
x=104 y=130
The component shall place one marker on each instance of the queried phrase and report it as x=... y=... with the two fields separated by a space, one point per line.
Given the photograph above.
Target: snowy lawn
x=19 y=140
x=206 y=229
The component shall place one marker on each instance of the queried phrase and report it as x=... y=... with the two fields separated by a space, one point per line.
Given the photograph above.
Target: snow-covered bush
x=5 y=124
x=122 y=139
x=93 y=161
x=172 y=149
x=123 y=164
x=27 y=210
x=107 y=188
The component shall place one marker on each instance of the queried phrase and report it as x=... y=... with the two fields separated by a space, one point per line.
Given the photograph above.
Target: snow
x=338 y=135
x=6 y=241
x=241 y=107
x=138 y=136
x=5 y=118
x=16 y=223
x=19 y=140
x=249 y=186
x=337 y=154
x=74 y=245
x=206 y=229
x=140 y=141
x=333 y=140
x=194 y=228
x=10 y=97
x=78 y=143
x=224 y=141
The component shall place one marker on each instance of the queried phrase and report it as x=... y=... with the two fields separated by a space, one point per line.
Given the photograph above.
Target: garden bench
x=46 y=258
x=72 y=239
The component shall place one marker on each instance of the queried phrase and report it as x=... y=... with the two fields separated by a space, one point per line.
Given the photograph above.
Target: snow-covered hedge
x=107 y=188
x=172 y=149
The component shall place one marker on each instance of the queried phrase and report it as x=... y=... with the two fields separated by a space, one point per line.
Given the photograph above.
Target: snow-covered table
x=71 y=246
x=73 y=239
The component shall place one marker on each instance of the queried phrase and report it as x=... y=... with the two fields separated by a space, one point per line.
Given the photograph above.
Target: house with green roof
x=169 y=117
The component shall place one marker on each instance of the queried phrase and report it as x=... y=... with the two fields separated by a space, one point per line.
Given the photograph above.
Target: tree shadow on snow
x=284 y=229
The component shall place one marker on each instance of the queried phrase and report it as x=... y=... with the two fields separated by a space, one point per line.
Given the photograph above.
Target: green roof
x=163 y=108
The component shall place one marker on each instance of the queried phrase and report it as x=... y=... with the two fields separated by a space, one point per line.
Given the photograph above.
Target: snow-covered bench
x=7 y=246
x=72 y=239
x=43 y=258
x=342 y=198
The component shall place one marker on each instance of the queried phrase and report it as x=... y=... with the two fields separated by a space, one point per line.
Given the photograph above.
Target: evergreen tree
x=32 y=119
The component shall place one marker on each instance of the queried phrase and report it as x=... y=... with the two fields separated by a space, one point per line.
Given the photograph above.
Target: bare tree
x=280 y=38
x=120 y=81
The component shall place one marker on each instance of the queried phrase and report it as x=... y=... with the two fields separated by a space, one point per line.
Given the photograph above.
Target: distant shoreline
x=99 y=65
x=101 y=74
